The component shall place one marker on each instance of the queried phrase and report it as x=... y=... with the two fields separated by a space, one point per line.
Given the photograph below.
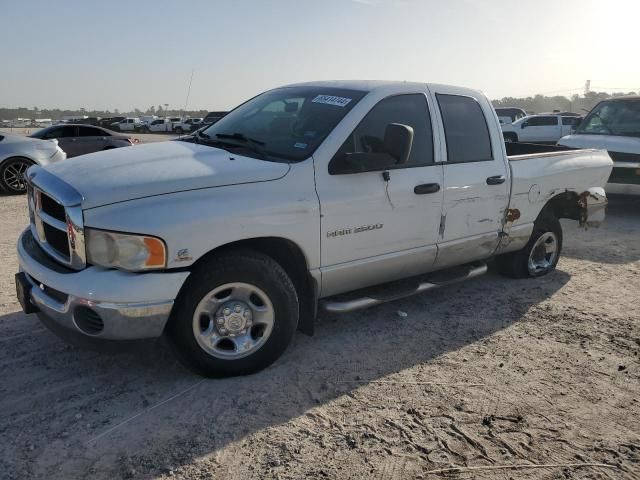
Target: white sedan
x=18 y=153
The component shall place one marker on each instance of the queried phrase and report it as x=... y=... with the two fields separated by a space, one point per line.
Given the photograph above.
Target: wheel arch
x=563 y=205
x=292 y=259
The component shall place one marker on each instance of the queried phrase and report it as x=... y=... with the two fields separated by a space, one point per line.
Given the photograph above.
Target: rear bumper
x=96 y=302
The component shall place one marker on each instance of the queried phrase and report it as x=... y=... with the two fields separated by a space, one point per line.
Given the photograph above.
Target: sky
x=124 y=54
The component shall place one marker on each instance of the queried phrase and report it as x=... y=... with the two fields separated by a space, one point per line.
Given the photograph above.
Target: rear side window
x=542 y=121
x=465 y=129
x=91 y=132
x=570 y=120
x=411 y=110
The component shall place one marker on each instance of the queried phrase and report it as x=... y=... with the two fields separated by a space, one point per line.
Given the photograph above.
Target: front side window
x=60 y=132
x=368 y=137
x=286 y=123
x=617 y=117
x=465 y=128
x=570 y=120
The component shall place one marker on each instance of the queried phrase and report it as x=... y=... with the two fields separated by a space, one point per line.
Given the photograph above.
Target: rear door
x=544 y=128
x=375 y=230
x=476 y=179
x=90 y=140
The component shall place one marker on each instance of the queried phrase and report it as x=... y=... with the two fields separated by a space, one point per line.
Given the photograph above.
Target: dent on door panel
x=456 y=252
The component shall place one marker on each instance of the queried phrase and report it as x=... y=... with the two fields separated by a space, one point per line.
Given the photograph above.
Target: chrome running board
x=372 y=296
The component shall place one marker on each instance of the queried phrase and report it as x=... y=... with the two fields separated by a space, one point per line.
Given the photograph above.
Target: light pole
x=166 y=109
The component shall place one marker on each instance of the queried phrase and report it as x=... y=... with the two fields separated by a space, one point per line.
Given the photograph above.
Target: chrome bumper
x=83 y=301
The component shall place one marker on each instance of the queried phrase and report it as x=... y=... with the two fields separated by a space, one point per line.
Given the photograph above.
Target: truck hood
x=165 y=167
x=612 y=143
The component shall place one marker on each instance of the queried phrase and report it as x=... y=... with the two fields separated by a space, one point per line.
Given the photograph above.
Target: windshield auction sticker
x=331 y=100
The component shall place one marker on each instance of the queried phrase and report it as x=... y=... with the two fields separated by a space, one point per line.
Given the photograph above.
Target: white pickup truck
x=341 y=195
x=540 y=128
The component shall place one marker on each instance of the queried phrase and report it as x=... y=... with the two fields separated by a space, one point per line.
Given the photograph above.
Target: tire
x=535 y=259
x=209 y=320
x=12 y=173
x=510 y=138
x=178 y=130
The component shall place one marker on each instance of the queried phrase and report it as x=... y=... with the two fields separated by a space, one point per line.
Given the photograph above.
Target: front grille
x=57 y=239
x=56 y=218
x=624 y=157
x=52 y=208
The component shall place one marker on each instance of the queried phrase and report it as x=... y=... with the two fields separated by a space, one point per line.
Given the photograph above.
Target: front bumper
x=625 y=178
x=97 y=302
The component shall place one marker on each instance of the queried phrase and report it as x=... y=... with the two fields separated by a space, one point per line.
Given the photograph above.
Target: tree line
x=576 y=103
x=536 y=104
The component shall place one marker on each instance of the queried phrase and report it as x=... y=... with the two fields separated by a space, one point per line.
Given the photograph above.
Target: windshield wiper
x=259 y=149
x=240 y=136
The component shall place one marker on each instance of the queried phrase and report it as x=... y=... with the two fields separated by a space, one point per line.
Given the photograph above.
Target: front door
x=377 y=226
x=67 y=140
x=476 y=180
x=541 y=129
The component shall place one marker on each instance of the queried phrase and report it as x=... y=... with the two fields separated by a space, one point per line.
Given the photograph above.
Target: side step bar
x=372 y=296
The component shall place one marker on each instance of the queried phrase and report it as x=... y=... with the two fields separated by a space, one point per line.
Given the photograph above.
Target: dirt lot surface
x=491 y=373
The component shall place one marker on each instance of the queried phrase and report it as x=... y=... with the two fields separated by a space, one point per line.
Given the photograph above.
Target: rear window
x=465 y=129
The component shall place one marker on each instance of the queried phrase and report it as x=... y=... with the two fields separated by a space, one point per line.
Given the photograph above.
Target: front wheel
x=235 y=315
x=539 y=256
x=12 y=175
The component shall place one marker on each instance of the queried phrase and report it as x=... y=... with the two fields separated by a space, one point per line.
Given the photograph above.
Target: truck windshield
x=287 y=123
x=613 y=117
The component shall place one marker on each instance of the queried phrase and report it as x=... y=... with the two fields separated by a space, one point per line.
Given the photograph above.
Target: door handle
x=496 y=180
x=426 y=188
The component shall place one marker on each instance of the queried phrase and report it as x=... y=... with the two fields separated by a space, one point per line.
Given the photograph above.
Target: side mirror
x=524 y=124
x=398 y=140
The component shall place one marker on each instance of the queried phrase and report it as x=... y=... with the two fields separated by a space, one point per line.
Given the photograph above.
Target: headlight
x=128 y=252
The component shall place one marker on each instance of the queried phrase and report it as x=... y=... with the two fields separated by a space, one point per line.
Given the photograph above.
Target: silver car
x=81 y=139
x=18 y=153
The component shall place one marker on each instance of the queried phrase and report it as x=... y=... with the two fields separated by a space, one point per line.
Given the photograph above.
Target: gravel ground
x=491 y=373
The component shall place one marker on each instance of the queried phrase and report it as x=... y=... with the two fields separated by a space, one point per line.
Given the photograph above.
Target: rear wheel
x=236 y=315
x=12 y=175
x=541 y=254
x=178 y=130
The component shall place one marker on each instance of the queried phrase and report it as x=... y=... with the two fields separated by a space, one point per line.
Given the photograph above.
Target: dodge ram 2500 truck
x=339 y=195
